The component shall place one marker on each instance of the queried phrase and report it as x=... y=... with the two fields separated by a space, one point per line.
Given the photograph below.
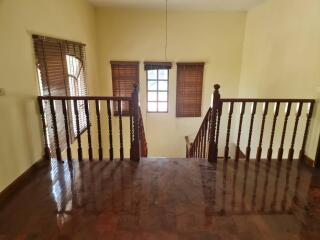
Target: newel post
x=135 y=146
x=213 y=148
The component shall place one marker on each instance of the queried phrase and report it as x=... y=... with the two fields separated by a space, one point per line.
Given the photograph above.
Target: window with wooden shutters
x=124 y=76
x=61 y=72
x=189 y=89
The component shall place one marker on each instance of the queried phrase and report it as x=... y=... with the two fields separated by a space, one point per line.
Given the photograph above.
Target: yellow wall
x=281 y=54
x=213 y=37
x=20 y=138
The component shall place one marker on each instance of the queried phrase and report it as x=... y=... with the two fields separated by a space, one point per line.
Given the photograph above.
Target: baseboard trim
x=19 y=182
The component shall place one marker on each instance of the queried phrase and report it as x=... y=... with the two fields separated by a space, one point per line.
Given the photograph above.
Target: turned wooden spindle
x=55 y=129
x=288 y=110
x=135 y=147
x=44 y=130
x=274 y=123
x=66 y=128
x=226 y=150
x=253 y=112
x=295 y=128
x=131 y=122
x=86 y=105
x=306 y=132
x=218 y=125
x=243 y=108
x=201 y=140
x=206 y=125
x=76 y=111
x=110 y=130
x=100 y=149
x=120 y=129
x=265 y=112
x=213 y=151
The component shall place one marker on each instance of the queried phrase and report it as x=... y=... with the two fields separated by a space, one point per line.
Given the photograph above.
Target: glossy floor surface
x=166 y=199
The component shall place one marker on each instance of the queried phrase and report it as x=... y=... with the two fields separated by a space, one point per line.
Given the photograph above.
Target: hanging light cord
x=166 y=38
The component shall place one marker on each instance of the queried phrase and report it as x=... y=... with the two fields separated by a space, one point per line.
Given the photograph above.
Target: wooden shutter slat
x=50 y=56
x=189 y=89
x=124 y=76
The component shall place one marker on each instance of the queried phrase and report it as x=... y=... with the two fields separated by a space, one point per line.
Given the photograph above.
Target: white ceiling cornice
x=210 y=5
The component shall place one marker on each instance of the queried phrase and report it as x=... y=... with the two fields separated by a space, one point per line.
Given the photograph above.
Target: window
x=157 y=86
x=77 y=88
x=124 y=76
x=61 y=72
x=189 y=89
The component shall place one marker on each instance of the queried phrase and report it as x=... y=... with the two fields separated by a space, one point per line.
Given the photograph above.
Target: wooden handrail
x=196 y=148
x=269 y=100
x=100 y=98
x=143 y=140
x=199 y=145
x=68 y=115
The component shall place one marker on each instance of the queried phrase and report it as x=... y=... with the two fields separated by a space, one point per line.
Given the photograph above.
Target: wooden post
x=55 y=130
x=44 y=130
x=135 y=146
x=213 y=148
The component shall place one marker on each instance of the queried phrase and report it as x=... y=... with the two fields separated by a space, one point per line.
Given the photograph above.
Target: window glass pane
x=152 y=106
x=152 y=74
x=163 y=96
x=152 y=85
x=152 y=96
x=163 y=74
x=162 y=106
x=163 y=85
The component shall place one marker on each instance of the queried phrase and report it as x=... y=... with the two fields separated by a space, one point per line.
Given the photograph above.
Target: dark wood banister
x=138 y=143
x=215 y=113
x=143 y=140
x=201 y=137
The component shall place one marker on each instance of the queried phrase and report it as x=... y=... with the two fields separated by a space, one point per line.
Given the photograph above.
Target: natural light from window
x=157 y=90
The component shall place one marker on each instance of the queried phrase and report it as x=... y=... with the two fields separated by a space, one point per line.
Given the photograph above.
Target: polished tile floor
x=162 y=198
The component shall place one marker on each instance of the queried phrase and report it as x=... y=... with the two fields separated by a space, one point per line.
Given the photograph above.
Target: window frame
x=62 y=48
x=76 y=86
x=157 y=91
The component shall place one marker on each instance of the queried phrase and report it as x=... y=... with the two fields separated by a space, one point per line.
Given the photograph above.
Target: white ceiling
x=181 y=4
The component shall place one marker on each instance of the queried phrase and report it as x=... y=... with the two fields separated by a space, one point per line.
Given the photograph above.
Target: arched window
x=77 y=87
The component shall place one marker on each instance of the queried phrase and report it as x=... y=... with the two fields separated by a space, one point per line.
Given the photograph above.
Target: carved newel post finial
x=213 y=148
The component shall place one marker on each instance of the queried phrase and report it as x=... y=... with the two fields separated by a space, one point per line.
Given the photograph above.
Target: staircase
x=253 y=128
x=291 y=127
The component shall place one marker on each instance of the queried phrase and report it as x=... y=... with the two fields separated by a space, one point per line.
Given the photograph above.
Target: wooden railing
x=199 y=147
x=214 y=131
x=138 y=144
x=143 y=140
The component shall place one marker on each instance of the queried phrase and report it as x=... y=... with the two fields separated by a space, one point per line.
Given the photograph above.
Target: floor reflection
x=252 y=187
x=166 y=199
